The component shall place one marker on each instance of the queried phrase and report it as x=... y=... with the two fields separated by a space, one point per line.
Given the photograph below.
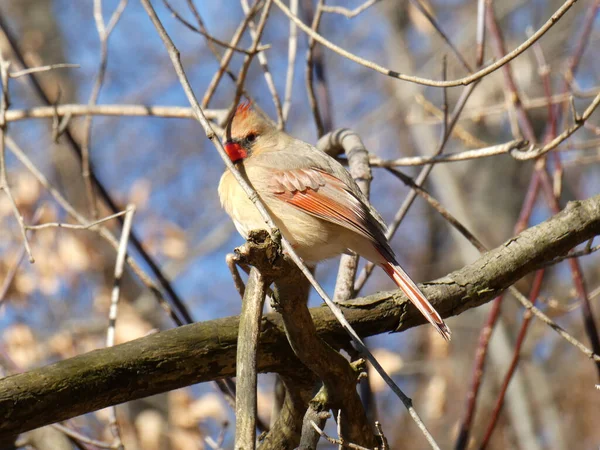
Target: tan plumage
x=312 y=199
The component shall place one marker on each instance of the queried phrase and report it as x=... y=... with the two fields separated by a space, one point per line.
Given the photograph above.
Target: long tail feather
x=417 y=298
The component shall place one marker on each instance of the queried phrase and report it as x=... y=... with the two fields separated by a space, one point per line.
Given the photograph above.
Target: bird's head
x=249 y=134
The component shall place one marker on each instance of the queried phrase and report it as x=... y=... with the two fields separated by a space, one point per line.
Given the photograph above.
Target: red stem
x=486 y=331
x=533 y=295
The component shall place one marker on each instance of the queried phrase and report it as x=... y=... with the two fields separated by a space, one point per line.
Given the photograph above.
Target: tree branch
x=203 y=351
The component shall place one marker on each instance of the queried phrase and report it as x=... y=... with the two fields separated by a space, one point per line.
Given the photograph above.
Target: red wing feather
x=324 y=196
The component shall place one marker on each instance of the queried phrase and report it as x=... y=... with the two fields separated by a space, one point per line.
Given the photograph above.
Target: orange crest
x=243 y=108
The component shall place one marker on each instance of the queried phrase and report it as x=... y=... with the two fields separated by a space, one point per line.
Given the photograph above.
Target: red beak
x=235 y=151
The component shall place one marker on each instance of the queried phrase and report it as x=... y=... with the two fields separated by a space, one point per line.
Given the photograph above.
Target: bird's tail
x=417 y=298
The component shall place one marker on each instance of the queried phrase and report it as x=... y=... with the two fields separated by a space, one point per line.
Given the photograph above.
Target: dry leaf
x=151 y=429
x=26 y=190
x=436 y=395
x=186 y=440
x=139 y=194
x=73 y=253
x=21 y=345
x=209 y=406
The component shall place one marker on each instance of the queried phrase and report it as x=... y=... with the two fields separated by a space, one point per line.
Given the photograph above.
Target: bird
x=312 y=199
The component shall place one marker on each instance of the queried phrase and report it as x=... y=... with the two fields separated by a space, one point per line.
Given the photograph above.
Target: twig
x=256 y=33
x=517 y=116
x=384 y=441
x=339 y=429
x=113 y=311
x=237 y=36
x=494 y=150
x=425 y=81
x=121 y=255
x=4 y=186
x=533 y=152
x=423 y=10
x=12 y=271
x=208 y=36
x=315 y=66
x=458 y=131
x=42 y=112
x=348 y=13
x=289 y=79
x=486 y=331
x=211 y=46
x=533 y=295
x=104 y=32
x=243 y=73
x=548 y=321
x=82 y=438
x=577 y=254
x=582 y=43
x=475 y=114
x=10 y=275
x=589 y=321
x=480 y=34
x=336 y=441
x=85 y=226
x=440 y=209
x=20 y=73
x=230 y=260
x=544 y=73
x=218 y=444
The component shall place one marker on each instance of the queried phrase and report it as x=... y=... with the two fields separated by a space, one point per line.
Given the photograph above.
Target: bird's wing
x=325 y=196
x=301 y=155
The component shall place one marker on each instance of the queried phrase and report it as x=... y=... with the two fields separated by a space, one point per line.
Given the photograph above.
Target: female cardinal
x=312 y=199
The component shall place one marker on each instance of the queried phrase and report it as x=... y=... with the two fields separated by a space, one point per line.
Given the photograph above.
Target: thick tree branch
x=204 y=351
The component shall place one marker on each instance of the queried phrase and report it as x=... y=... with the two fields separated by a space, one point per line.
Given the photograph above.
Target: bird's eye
x=251 y=137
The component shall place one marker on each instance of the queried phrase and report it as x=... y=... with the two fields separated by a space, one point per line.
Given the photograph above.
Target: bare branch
x=4 y=186
x=349 y=13
x=423 y=10
x=83 y=226
x=208 y=36
x=256 y=34
x=533 y=152
x=104 y=32
x=358 y=160
x=20 y=73
x=114 y=305
x=43 y=112
x=193 y=354
x=289 y=79
x=246 y=376
x=425 y=81
x=494 y=150
x=180 y=308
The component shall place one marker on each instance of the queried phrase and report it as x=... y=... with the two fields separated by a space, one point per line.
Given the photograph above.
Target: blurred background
x=58 y=307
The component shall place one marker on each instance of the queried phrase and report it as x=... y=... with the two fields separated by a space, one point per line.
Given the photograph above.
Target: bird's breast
x=314 y=239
